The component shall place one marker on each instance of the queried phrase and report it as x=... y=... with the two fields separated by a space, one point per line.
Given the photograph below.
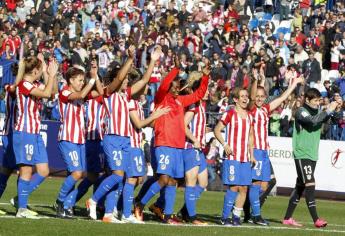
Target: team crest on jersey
x=258 y=172
x=232 y=177
x=118 y=162
x=309 y=177
x=29 y=157
x=163 y=166
x=75 y=163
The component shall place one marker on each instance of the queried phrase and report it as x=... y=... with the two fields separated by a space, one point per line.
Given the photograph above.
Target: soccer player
x=28 y=144
x=72 y=133
x=238 y=147
x=170 y=139
x=8 y=164
x=136 y=167
x=116 y=142
x=261 y=172
x=305 y=144
x=193 y=158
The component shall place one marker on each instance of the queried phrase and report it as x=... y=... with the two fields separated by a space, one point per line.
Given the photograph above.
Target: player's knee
x=163 y=180
x=119 y=172
x=132 y=181
x=77 y=175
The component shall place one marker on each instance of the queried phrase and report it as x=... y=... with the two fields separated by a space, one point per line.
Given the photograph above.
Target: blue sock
x=119 y=197
x=170 y=195
x=110 y=201
x=146 y=185
x=107 y=184
x=229 y=200
x=35 y=181
x=70 y=199
x=198 y=191
x=23 y=193
x=254 y=198
x=66 y=188
x=83 y=187
x=153 y=190
x=190 y=200
x=128 y=192
x=160 y=202
x=3 y=183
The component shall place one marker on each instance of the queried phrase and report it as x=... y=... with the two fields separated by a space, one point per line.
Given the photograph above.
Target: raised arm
x=86 y=90
x=47 y=91
x=111 y=88
x=146 y=78
x=188 y=100
x=138 y=123
x=303 y=117
x=165 y=85
x=276 y=102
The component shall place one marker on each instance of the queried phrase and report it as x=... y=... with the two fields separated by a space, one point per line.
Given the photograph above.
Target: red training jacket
x=169 y=128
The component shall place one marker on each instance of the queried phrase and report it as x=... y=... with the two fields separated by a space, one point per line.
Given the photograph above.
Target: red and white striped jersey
x=116 y=107
x=261 y=117
x=95 y=118
x=11 y=111
x=137 y=134
x=237 y=133
x=72 y=115
x=198 y=124
x=28 y=118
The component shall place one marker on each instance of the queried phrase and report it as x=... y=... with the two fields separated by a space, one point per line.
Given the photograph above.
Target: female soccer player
x=72 y=133
x=9 y=161
x=195 y=165
x=261 y=172
x=170 y=139
x=238 y=147
x=136 y=165
x=116 y=141
x=305 y=145
x=28 y=144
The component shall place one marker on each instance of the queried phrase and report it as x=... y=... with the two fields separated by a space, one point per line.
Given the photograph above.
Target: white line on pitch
x=219 y=226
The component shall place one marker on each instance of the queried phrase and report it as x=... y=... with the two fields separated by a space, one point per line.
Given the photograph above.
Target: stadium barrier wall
x=329 y=174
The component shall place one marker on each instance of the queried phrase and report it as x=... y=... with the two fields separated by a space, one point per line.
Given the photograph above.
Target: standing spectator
x=311 y=70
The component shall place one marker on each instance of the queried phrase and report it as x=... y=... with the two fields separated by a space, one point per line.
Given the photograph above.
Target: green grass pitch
x=209 y=208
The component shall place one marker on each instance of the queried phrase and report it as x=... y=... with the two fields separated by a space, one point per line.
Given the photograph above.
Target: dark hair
x=73 y=72
x=312 y=93
x=112 y=72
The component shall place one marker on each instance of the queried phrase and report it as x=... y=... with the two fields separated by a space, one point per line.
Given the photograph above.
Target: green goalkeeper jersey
x=307 y=131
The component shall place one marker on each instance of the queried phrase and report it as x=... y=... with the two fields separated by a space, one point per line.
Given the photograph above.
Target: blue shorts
x=236 y=173
x=262 y=169
x=94 y=153
x=203 y=163
x=116 y=149
x=169 y=161
x=136 y=165
x=9 y=159
x=73 y=155
x=29 y=148
x=191 y=158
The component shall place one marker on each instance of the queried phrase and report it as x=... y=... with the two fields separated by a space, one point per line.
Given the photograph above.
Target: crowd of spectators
x=282 y=39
